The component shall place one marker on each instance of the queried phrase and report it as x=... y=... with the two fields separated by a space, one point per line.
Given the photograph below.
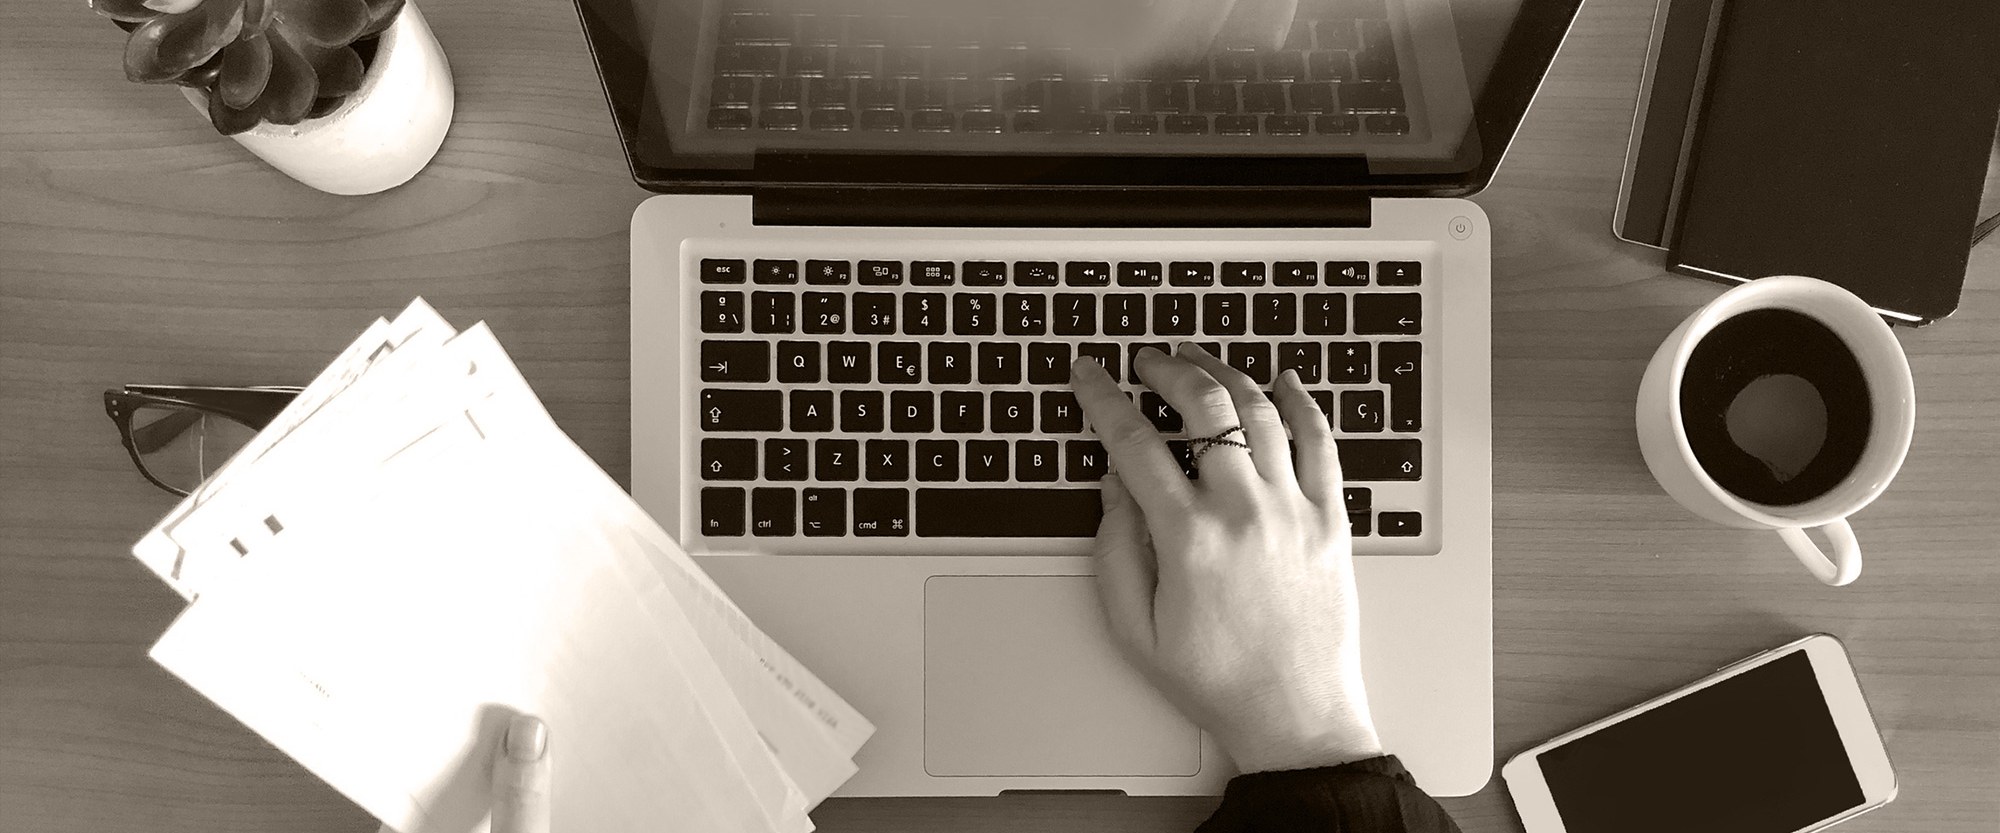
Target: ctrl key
x=722 y=511
x=881 y=513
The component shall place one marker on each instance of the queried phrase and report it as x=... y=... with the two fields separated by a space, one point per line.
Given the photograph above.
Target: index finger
x=1146 y=467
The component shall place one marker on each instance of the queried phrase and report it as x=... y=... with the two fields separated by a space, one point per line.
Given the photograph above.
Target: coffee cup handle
x=1843 y=567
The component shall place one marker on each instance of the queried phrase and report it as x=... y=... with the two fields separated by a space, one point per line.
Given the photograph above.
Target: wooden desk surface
x=137 y=246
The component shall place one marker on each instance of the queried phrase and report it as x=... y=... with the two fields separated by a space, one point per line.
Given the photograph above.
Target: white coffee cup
x=1663 y=436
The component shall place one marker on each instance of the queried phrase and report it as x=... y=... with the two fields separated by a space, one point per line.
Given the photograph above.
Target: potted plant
x=347 y=96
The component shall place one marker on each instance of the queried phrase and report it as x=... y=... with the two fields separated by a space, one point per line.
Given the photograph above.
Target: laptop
x=885 y=228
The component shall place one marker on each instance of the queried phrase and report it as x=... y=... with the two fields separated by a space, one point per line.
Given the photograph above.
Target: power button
x=1461 y=227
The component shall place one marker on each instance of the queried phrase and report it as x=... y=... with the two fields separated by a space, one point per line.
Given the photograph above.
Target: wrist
x=1332 y=747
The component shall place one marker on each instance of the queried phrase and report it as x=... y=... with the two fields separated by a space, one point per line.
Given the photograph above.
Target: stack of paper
x=413 y=552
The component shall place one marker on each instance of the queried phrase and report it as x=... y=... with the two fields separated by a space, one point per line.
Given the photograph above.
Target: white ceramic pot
x=383 y=134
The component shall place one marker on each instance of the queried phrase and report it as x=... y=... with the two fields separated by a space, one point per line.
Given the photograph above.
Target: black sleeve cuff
x=1375 y=795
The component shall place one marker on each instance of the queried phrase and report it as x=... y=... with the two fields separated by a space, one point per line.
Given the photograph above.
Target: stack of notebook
x=413 y=553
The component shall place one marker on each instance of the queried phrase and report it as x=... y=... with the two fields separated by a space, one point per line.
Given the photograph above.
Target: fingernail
x=1290 y=377
x=1085 y=365
x=1149 y=350
x=1185 y=347
x=527 y=739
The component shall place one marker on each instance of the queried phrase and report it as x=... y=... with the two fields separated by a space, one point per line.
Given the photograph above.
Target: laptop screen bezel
x=1530 y=46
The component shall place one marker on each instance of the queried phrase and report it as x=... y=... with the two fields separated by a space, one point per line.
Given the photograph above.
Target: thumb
x=1126 y=572
x=521 y=778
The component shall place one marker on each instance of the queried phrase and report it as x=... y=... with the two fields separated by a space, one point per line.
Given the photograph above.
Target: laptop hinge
x=1060 y=207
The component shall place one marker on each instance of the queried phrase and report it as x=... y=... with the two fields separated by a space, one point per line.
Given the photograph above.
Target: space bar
x=1007 y=513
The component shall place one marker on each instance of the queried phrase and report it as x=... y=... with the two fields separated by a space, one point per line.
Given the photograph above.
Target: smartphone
x=1781 y=742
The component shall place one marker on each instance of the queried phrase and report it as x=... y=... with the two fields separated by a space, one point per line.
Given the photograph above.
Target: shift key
x=1381 y=459
x=742 y=410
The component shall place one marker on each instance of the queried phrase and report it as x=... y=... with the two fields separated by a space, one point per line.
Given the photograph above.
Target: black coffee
x=1757 y=389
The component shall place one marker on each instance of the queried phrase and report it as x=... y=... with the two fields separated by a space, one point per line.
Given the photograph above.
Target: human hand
x=520 y=779
x=1234 y=593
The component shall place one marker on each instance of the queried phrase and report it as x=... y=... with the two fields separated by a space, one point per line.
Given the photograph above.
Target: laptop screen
x=1330 y=92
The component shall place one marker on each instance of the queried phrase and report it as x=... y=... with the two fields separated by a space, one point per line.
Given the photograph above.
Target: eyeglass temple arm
x=255 y=407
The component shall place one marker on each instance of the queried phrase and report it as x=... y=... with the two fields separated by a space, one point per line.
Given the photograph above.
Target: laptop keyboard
x=927 y=397
x=842 y=66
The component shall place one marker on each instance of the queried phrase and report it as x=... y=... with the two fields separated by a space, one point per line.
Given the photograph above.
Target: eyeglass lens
x=182 y=447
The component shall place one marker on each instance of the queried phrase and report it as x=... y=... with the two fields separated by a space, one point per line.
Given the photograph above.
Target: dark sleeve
x=1371 y=796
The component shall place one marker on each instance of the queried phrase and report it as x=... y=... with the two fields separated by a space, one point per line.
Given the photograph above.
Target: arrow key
x=735 y=361
x=1388 y=313
x=1399 y=524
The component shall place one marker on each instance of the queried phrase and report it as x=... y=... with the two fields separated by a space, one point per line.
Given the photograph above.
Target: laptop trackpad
x=1020 y=678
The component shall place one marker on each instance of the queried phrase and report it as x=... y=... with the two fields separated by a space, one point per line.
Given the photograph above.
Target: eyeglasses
x=179 y=435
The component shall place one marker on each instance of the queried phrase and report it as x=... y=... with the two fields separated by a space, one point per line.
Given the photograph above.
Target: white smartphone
x=1781 y=742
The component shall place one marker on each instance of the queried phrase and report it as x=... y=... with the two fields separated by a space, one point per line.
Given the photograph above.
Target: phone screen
x=1754 y=753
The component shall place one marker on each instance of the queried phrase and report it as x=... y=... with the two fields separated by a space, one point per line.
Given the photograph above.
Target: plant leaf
x=339 y=70
x=258 y=14
x=322 y=107
x=246 y=68
x=203 y=76
x=166 y=46
x=130 y=11
x=381 y=13
x=171 y=6
x=227 y=120
x=326 y=23
x=289 y=93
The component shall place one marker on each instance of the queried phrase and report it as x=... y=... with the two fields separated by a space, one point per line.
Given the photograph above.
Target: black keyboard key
x=1362 y=524
x=1048 y=363
x=812 y=411
x=904 y=62
x=1284 y=66
x=1236 y=125
x=974 y=313
x=1034 y=273
x=1008 y=513
x=1225 y=314
x=1358 y=498
x=772 y=312
x=1013 y=412
x=937 y=461
x=732 y=92
x=1132 y=357
x=823 y=513
x=1302 y=356
x=775 y=272
x=881 y=513
x=1186 y=125
x=933 y=273
x=1024 y=314
x=721 y=271
x=1189 y=273
x=1169 y=97
x=857 y=61
x=1135 y=124
x=950 y=362
x=1388 y=313
x=1326 y=314
x=1037 y=461
x=923 y=313
x=1215 y=98
x=1124 y=314
x=812 y=62
x=1399 y=524
x=1294 y=273
x=1402 y=370
x=1174 y=314
x=1373 y=459
x=728 y=459
x=722 y=511
x=781 y=92
x=887 y=460
x=881 y=122
x=911 y=411
x=799 y=361
x=1400 y=273
x=1361 y=411
x=1075 y=314
x=861 y=411
x=751 y=61
x=1084 y=461
x=1253 y=358
x=1329 y=65
x=1312 y=98
x=1274 y=313
x=830 y=93
x=1371 y=97
x=1104 y=353
x=1263 y=98
x=874 y=313
x=1236 y=66
x=1347 y=362
x=985 y=273
x=825 y=313
x=847 y=362
x=1243 y=274
x=756 y=28
x=1286 y=125
x=1060 y=413
x=1347 y=273
x=722 y=312
x=1336 y=125
x=986 y=461
x=1387 y=124
x=1135 y=273
x=881 y=273
x=828 y=272
x=836 y=461
x=1376 y=63
x=999 y=363
x=735 y=361
x=931 y=121
x=1165 y=419
x=899 y=362
x=785 y=459
x=1087 y=273
x=961 y=412
x=742 y=410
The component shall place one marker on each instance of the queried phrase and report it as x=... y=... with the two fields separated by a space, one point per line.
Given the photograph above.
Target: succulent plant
x=277 y=61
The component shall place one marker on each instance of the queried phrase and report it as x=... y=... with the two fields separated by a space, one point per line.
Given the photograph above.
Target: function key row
x=1339 y=273
x=962 y=313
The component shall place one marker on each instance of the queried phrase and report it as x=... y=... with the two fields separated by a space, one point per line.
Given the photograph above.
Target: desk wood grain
x=136 y=246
